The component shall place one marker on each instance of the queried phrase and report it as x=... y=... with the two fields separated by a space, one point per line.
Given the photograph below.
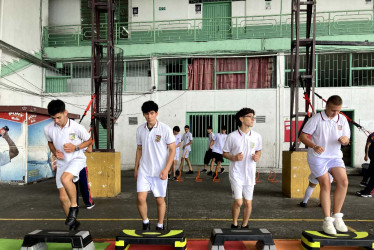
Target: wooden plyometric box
x=295 y=174
x=104 y=169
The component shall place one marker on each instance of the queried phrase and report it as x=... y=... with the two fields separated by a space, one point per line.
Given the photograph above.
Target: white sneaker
x=339 y=223
x=328 y=225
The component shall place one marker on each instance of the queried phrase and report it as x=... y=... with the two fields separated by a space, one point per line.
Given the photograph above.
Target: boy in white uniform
x=178 y=142
x=243 y=149
x=66 y=139
x=187 y=140
x=218 y=143
x=329 y=130
x=208 y=153
x=154 y=156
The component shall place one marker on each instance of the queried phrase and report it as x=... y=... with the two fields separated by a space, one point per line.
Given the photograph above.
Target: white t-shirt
x=154 y=148
x=72 y=133
x=186 y=138
x=325 y=132
x=178 y=139
x=219 y=141
x=243 y=172
x=4 y=158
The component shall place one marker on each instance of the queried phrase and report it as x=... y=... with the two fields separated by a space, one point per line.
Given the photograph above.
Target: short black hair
x=187 y=126
x=224 y=127
x=55 y=107
x=241 y=113
x=209 y=127
x=176 y=128
x=149 y=106
x=335 y=100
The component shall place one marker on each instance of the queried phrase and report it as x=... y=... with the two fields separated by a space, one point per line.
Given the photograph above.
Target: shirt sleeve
x=47 y=134
x=311 y=125
x=259 y=143
x=169 y=136
x=138 y=137
x=227 y=146
x=191 y=138
x=346 y=129
x=83 y=133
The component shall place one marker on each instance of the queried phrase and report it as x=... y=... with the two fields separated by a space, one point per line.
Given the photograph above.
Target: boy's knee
x=238 y=203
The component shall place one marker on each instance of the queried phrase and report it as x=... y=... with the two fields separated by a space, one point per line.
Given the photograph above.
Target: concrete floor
x=195 y=207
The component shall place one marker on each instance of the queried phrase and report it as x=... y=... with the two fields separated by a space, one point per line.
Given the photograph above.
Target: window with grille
x=138 y=76
x=172 y=74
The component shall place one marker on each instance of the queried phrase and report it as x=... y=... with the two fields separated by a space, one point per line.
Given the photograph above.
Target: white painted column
x=280 y=108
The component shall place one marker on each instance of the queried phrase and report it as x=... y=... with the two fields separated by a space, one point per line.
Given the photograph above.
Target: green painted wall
x=228 y=47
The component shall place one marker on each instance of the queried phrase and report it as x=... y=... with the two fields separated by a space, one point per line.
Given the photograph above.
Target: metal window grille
x=138 y=76
x=227 y=120
x=199 y=124
x=72 y=77
x=333 y=70
x=172 y=74
x=363 y=69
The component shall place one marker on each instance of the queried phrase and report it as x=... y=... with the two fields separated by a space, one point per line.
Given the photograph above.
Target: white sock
x=160 y=225
x=308 y=193
x=146 y=221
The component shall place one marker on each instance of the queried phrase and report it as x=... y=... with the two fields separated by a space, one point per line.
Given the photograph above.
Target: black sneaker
x=177 y=172
x=222 y=170
x=302 y=204
x=189 y=172
x=146 y=226
x=364 y=194
x=244 y=227
x=234 y=227
x=75 y=226
x=203 y=171
x=72 y=216
x=174 y=178
x=160 y=228
x=363 y=184
x=209 y=173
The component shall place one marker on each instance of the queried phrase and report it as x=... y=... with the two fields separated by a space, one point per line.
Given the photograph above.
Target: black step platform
x=174 y=238
x=313 y=240
x=261 y=235
x=36 y=240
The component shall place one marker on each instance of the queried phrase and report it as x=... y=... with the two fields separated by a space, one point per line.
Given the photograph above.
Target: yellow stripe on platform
x=180 y=243
x=310 y=244
x=120 y=243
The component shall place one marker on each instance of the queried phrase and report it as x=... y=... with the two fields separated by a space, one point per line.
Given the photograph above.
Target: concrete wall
x=23 y=33
x=67 y=12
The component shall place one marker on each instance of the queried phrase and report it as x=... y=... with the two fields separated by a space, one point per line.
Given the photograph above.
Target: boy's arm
x=165 y=171
x=137 y=160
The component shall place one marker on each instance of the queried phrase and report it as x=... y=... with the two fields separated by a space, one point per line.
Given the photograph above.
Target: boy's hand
x=59 y=155
x=344 y=140
x=69 y=147
x=164 y=174
x=238 y=157
x=255 y=158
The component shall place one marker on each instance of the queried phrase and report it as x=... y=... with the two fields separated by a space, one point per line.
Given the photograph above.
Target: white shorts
x=176 y=157
x=73 y=167
x=240 y=191
x=314 y=180
x=186 y=153
x=154 y=184
x=319 y=166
